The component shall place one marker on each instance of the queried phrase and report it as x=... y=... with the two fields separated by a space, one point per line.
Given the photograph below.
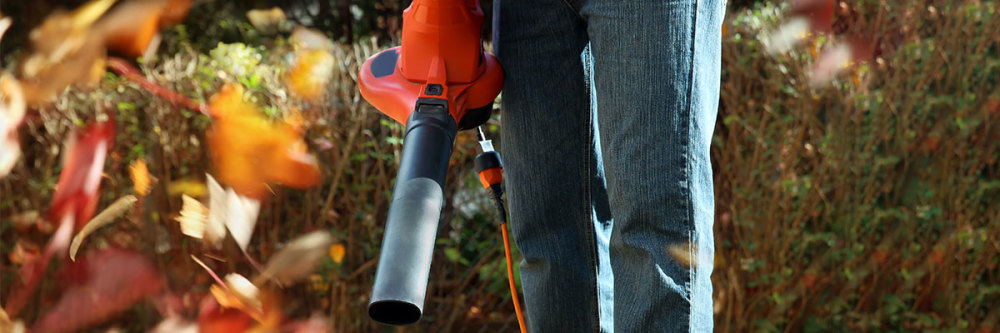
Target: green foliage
x=868 y=203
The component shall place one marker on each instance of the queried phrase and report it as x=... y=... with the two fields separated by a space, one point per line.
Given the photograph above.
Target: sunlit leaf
x=267 y=21
x=12 y=109
x=337 y=252
x=64 y=52
x=297 y=259
x=215 y=229
x=140 y=177
x=239 y=293
x=110 y=281
x=250 y=151
x=83 y=162
x=131 y=28
x=312 y=67
x=241 y=217
x=115 y=210
x=194 y=217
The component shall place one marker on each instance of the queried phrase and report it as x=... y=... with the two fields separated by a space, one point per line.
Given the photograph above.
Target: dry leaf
x=337 y=252
x=64 y=52
x=12 y=109
x=194 y=217
x=250 y=151
x=241 y=217
x=140 y=177
x=682 y=254
x=192 y=188
x=296 y=260
x=23 y=252
x=268 y=21
x=239 y=293
x=115 y=210
x=111 y=281
x=175 y=324
x=215 y=229
x=132 y=27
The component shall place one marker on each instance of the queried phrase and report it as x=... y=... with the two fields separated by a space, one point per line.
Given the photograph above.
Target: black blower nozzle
x=411 y=228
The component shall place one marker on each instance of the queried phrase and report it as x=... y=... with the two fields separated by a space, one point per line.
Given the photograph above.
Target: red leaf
x=110 y=281
x=80 y=179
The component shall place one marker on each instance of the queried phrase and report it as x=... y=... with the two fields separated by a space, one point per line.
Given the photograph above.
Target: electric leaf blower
x=439 y=81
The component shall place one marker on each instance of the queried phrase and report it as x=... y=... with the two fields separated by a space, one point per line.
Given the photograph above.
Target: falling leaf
x=192 y=188
x=296 y=260
x=239 y=293
x=12 y=109
x=831 y=61
x=175 y=324
x=115 y=210
x=140 y=177
x=194 y=217
x=312 y=67
x=337 y=252
x=80 y=178
x=250 y=151
x=268 y=21
x=819 y=13
x=9 y=326
x=215 y=229
x=23 y=252
x=110 y=281
x=241 y=217
x=786 y=36
x=64 y=52
x=682 y=254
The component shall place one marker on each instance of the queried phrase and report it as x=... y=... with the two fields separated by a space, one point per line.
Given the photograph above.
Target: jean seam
x=688 y=168
x=590 y=214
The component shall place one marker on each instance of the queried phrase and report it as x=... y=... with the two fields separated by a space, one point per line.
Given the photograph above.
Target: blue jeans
x=607 y=116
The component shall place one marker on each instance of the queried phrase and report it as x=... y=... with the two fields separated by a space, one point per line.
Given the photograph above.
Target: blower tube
x=411 y=228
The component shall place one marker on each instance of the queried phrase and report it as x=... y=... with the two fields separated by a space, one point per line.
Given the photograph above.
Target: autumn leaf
x=194 y=217
x=313 y=64
x=132 y=28
x=80 y=179
x=140 y=177
x=297 y=259
x=337 y=252
x=114 y=211
x=250 y=151
x=110 y=281
x=239 y=293
x=192 y=188
x=12 y=109
x=64 y=52
x=268 y=21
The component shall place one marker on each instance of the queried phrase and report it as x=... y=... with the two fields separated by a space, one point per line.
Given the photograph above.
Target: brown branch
x=123 y=68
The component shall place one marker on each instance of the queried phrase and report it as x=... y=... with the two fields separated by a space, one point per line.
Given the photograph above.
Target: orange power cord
x=510 y=278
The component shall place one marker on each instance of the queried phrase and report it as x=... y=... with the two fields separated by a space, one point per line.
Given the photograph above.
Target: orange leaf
x=337 y=252
x=250 y=151
x=313 y=65
x=131 y=27
x=140 y=177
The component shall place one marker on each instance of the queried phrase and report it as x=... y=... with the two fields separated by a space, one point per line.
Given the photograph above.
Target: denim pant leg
x=657 y=81
x=547 y=147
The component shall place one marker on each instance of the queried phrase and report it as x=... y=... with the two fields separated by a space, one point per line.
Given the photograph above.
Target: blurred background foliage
x=868 y=202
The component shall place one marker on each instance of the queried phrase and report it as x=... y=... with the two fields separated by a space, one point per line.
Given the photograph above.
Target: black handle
x=411 y=228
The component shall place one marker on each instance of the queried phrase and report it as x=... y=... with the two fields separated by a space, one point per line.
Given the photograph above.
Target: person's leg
x=547 y=151
x=657 y=81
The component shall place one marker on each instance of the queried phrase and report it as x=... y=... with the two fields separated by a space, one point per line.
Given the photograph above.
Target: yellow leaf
x=192 y=188
x=337 y=252
x=140 y=177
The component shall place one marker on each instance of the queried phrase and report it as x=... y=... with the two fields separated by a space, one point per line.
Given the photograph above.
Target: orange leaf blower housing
x=439 y=81
x=441 y=57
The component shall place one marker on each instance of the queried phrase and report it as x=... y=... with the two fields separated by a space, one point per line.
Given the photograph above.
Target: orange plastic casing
x=441 y=56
